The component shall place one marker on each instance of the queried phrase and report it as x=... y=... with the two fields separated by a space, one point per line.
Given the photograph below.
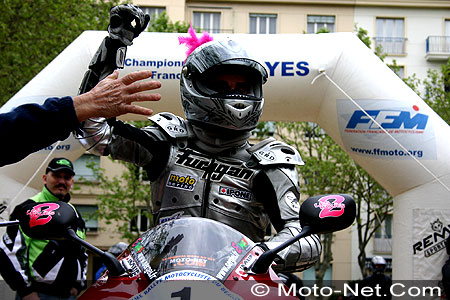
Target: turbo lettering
x=41 y=217
x=330 y=209
x=217 y=171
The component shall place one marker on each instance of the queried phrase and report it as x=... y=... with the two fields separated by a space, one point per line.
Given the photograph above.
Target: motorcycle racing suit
x=203 y=165
x=244 y=187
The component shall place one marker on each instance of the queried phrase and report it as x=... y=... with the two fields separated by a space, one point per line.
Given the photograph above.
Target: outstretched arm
x=112 y=97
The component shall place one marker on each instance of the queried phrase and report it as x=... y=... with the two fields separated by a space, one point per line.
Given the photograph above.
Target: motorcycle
x=189 y=257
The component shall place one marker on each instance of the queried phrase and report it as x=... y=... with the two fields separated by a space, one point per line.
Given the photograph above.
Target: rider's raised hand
x=127 y=22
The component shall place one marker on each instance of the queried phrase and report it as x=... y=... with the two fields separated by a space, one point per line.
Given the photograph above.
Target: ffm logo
x=388 y=119
x=181 y=181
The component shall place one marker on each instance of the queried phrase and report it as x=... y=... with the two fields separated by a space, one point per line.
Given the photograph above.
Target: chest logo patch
x=240 y=194
x=181 y=181
x=211 y=168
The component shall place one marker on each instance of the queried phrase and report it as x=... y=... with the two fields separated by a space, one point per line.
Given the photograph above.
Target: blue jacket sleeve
x=31 y=127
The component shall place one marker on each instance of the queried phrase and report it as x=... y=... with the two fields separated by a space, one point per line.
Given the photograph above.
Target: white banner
x=431 y=227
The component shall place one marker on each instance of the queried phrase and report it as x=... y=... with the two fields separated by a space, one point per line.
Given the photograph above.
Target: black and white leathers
x=246 y=187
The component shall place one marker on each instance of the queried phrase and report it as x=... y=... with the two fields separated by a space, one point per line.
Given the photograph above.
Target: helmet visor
x=230 y=81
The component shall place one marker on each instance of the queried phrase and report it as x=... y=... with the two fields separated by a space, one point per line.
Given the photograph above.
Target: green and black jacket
x=46 y=266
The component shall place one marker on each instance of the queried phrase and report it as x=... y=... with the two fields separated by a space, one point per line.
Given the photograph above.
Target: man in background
x=45 y=269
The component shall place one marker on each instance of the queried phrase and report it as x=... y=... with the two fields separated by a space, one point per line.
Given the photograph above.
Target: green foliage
x=34 y=32
x=162 y=23
x=122 y=198
x=362 y=34
x=323 y=30
x=328 y=169
x=436 y=89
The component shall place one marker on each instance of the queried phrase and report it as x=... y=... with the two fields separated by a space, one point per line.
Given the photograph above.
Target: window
x=82 y=169
x=207 y=21
x=315 y=23
x=263 y=23
x=383 y=236
x=153 y=11
x=447 y=36
x=385 y=230
x=399 y=70
x=141 y=222
x=389 y=35
x=88 y=214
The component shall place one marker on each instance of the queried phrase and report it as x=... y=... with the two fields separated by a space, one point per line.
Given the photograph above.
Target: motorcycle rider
x=204 y=166
x=378 y=279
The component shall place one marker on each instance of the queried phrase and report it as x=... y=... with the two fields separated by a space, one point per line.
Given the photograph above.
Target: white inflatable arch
x=331 y=79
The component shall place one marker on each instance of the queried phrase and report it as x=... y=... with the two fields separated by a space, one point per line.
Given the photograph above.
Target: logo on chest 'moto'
x=181 y=181
x=217 y=170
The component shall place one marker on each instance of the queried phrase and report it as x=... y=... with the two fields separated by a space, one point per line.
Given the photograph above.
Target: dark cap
x=60 y=164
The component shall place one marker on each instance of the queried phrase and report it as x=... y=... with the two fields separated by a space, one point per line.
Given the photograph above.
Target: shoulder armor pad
x=172 y=125
x=271 y=152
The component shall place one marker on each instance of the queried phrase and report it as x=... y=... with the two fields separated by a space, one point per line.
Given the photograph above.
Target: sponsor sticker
x=188 y=260
x=333 y=208
x=292 y=202
x=175 y=216
x=181 y=181
x=41 y=214
x=212 y=169
x=240 y=194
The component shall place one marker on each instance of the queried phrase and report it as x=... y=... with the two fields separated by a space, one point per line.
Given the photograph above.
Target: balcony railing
x=391 y=45
x=382 y=245
x=438 y=48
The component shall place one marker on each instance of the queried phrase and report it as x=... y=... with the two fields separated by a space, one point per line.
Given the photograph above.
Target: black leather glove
x=126 y=23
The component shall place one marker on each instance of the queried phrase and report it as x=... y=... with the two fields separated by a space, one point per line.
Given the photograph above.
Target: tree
x=362 y=34
x=328 y=169
x=34 y=32
x=122 y=198
x=162 y=23
x=437 y=89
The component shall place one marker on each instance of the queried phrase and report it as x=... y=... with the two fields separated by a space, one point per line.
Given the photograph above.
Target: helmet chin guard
x=222 y=86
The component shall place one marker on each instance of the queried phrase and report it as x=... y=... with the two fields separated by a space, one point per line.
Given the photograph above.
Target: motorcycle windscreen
x=191 y=244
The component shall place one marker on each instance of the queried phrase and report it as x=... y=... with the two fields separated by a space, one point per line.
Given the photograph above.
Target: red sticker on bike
x=39 y=216
x=330 y=208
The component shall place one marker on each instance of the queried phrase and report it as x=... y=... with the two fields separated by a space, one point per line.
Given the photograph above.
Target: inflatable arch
x=330 y=79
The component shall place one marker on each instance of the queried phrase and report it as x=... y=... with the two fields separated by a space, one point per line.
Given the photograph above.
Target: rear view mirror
x=58 y=220
x=47 y=220
x=318 y=214
x=328 y=213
